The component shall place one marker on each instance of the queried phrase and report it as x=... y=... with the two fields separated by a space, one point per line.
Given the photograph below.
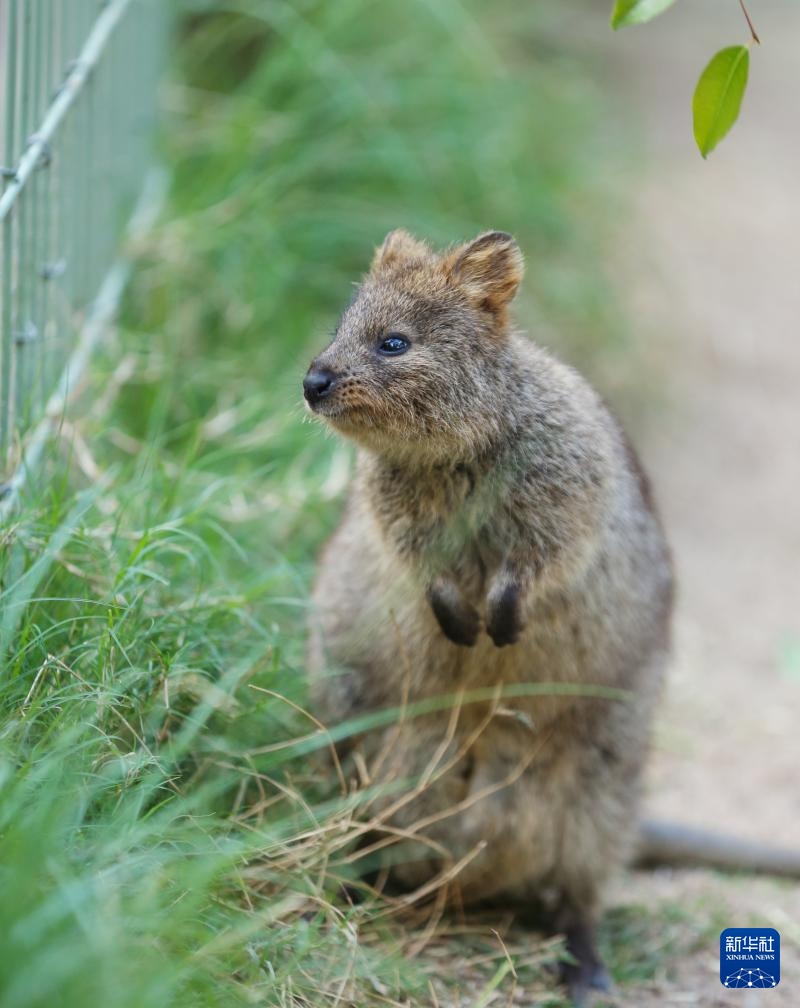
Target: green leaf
x=631 y=12
x=718 y=96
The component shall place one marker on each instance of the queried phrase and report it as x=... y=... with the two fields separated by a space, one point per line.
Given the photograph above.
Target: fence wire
x=78 y=100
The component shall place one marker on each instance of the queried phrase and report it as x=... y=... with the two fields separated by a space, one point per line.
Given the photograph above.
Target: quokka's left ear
x=488 y=269
x=397 y=248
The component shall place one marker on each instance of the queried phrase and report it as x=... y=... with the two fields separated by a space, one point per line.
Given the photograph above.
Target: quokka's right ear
x=489 y=270
x=398 y=247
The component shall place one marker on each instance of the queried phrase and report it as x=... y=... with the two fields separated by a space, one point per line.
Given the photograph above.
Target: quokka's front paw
x=504 y=622
x=459 y=621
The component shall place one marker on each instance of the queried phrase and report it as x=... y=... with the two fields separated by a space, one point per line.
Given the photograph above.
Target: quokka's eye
x=393 y=345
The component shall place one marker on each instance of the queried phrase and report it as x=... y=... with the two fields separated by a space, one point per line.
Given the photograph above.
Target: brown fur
x=499 y=532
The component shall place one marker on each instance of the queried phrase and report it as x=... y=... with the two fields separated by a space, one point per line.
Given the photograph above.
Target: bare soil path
x=711 y=261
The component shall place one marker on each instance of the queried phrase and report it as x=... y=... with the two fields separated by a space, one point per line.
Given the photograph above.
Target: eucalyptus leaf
x=718 y=96
x=631 y=12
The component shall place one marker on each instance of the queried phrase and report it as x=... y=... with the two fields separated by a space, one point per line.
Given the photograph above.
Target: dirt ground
x=710 y=253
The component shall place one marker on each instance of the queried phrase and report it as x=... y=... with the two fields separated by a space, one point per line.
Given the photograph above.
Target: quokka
x=500 y=545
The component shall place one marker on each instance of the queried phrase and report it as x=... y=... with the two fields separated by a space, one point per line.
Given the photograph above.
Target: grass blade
x=16 y=597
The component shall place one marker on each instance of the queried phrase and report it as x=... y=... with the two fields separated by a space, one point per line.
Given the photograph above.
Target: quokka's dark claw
x=459 y=621
x=505 y=620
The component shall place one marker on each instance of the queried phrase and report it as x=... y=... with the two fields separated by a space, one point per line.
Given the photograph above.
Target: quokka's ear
x=489 y=270
x=398 y=246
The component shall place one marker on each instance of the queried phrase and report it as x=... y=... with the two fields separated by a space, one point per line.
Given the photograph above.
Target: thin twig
x=318 y=724
x=749 y=23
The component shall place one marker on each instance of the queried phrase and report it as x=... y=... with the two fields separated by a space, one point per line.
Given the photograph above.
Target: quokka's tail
x=666 y=843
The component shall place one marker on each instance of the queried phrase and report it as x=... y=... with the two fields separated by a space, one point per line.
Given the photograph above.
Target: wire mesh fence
x=77 y=101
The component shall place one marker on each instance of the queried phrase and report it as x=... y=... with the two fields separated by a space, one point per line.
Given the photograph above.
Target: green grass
x=154 y=581
x=645 y=942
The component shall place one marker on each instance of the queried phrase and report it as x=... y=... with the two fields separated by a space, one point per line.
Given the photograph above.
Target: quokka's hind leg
x=586 y=971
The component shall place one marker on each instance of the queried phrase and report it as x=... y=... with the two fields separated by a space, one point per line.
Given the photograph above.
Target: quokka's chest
x=455 y=518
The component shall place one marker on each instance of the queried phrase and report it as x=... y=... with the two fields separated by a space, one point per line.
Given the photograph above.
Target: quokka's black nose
x=317 y=384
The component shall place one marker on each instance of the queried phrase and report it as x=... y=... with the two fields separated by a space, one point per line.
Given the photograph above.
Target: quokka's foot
x=584 y=987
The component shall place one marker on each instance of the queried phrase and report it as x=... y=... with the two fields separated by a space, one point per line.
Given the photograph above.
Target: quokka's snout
x=318 y=384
